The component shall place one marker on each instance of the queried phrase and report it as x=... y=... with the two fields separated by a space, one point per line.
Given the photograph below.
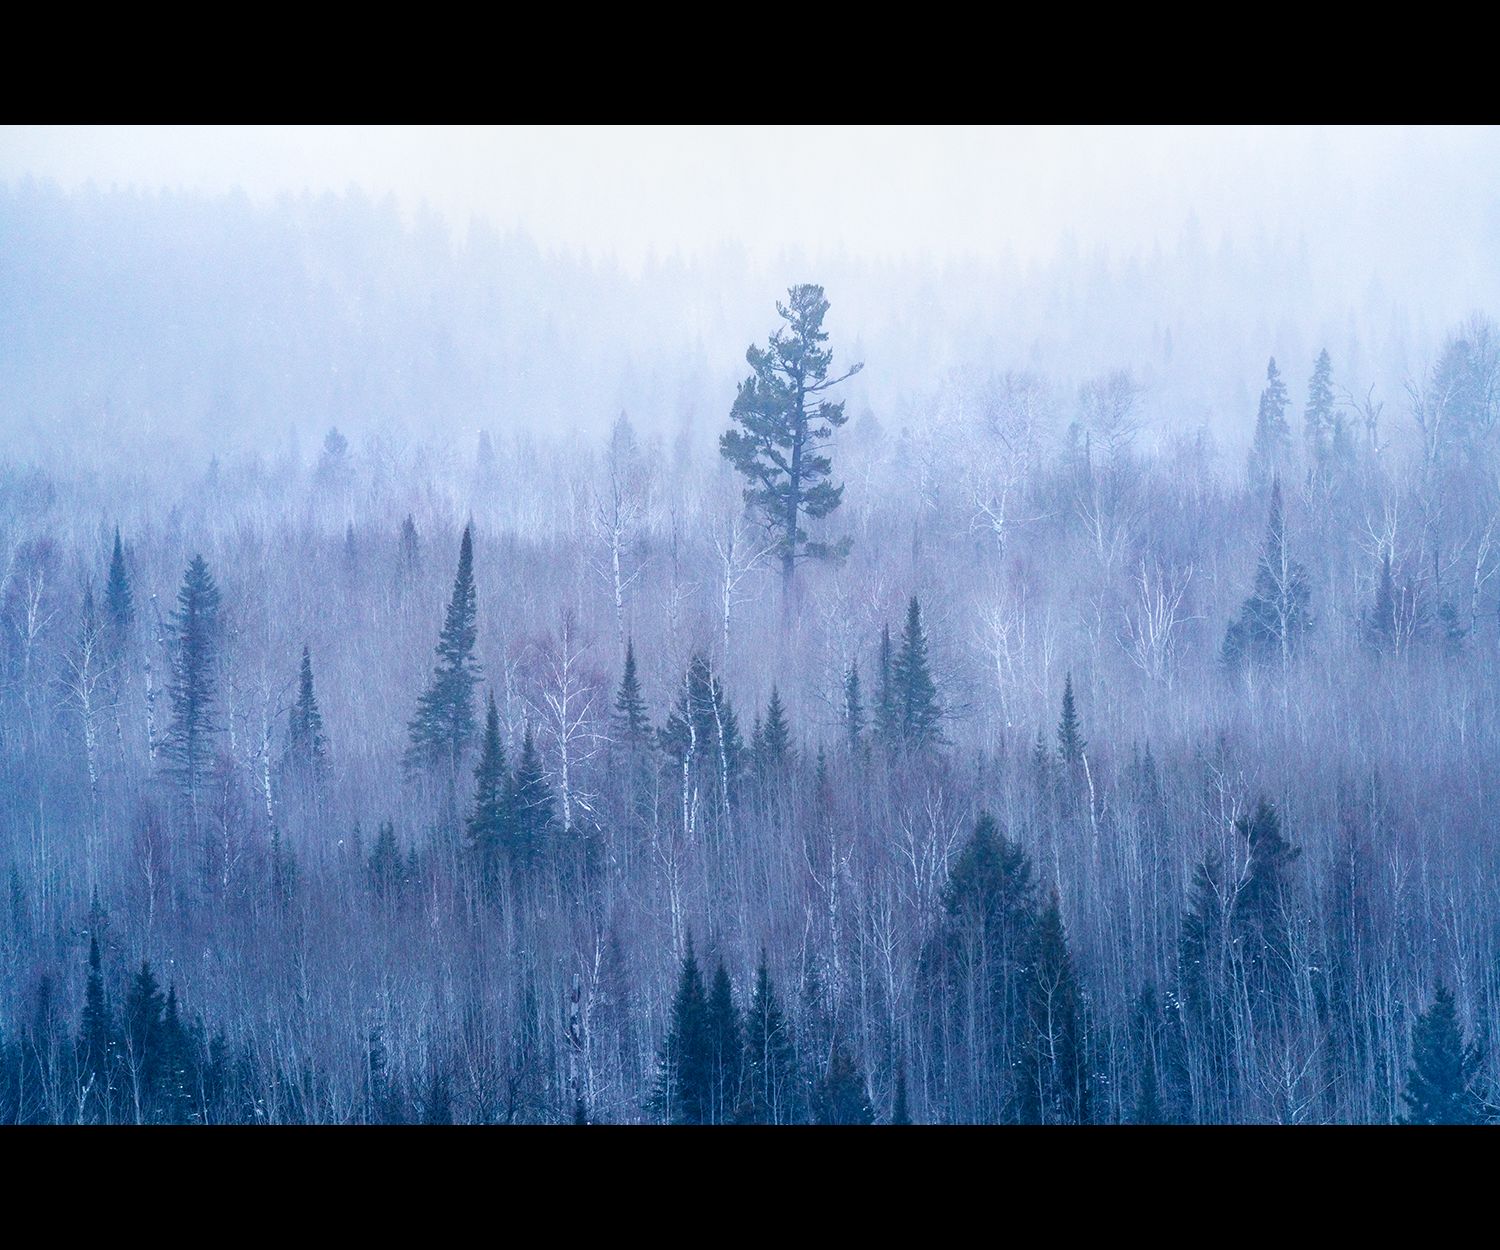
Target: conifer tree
x=1054 y=1087
x=854 y=710
x=119 y=602
x=887 y=709
x=785 y=425
x=531 y=805
x=1319 y=419
x=631 y=723
x=1440 y=1083
x=1260 y=915
x=702 y=735
x=842 y=1097
x=410 y=544
x=444 y=724
x=769 y=1087
x=776 y=738
x=98 y=1048
x=1273 y=437
x=726 y=1049
x=189 y=742
x=900 y=1111
x=1070 y=740
x=916 y=694
x=1274 y=619
x=385 y=862
x=488 y=826
x=144 y=1038
x=307 y=745
x=683 y=1092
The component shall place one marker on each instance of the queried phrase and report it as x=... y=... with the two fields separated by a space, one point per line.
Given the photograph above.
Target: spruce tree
x=1275 y=618
x=189 y=741
x=785 y=425
x=1273 y=437
x=98 y=1047
x=776 y=738
x=842 y=1097
x=726 y=1049
x=444 y=724
x=488 y=826
x=1260 y=916
x=144 y=1049
x=1054 y=1086
x=916 y=693
x=854 y=710
x=631 y=724
x=531 y=805
x=1319 y=420
x=1440 y=1083
x=683 y=1092
x=770 y=1074
x=119 y=602
x=307 y=745
x=1070 y=740
x=385 y=868
x=900 y=1111
x=887 y=708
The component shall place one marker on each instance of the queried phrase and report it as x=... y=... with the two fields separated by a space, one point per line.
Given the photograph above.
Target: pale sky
x=878 y=192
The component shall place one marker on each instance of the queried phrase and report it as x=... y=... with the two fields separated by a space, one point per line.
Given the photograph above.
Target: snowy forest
x=419 y=705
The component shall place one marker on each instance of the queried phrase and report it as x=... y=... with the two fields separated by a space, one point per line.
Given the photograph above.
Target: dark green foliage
x=306 y=744
x=842 y=1097
x=190 y=736
x=531 y=805
x=725 y=1049
x=1440 y=1084
x=775 y=750
x=444 y=724
x=768 y=1091
x=917 y=709
x=1070 y=740
x=1274 y=619
x=489 y=820
x=119 y=601
x=631 y=724
x=854 y=710
x=785 y=425
x=1320 y=422
x=1272 y=446
x=1054 y=1082
x=684 y=1084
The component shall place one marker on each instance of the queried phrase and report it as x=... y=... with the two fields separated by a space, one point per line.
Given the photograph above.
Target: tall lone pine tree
x=444 y=724
x=785 y=425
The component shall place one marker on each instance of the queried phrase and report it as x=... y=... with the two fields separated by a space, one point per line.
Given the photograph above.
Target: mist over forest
x=451 y=677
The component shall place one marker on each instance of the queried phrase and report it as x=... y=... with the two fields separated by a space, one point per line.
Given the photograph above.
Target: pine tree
x=1273 y=437
x=98 y=1048
x=1146 y=1026
x=702 y=733
x=854 y=710
x=769 y=1086
x=631 y=723
x=887 y=709
x=385 y=863
x=683 y=1092
x=776 y=738
x=1380 y=621
x=1070 y=740
x=1440 y=1084
x=1274 y=619
x=531 y=806
x=1319 y=421
x=785 y=427
x=842 y=1097
x=916 y=694
x=444 y=724
x=900 y=1112
x=144 y=1038
x=189 y=742
x=726 y=1049
x=1260 y=915
x=307 y=745
x=488 y=826
x=119 y=602
x=1054 y=1087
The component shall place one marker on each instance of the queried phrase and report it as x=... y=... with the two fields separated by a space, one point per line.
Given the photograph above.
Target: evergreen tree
x=531 y=806
x=854 y=710
x=915 y=692
x=385 y=863
x=785 y=426
x=189 y=741
x=98 y=1048
x=1274 y=619
x=702 y=733
x=684 y=1085
x=410 y=544
x=768 y=1093
x=1146 y=1028
x=1319 y=419
x=900 y=1112
x=1380 y=620
x=1054 y=1086
x=1273 y=436
x=776 y=738
x=1260 y=915
x=444 y=724
x=887 y=708
x=144 y=1051
x=307 y=745
x=726 y=1049
x=488 y=826
x=1070 y=740
x=1440 y=1084
x=842 y=1097
x=119 y=602
x=631 y=723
